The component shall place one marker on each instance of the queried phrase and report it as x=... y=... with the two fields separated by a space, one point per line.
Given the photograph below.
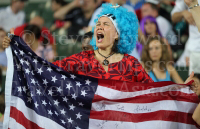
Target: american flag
x=40 y=95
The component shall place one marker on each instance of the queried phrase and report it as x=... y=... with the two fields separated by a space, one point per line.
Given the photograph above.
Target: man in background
x=12 y=16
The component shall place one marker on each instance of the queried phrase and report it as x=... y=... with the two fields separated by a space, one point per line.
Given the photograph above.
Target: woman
x=149 y=28
x=155 y=60
x=115 y=35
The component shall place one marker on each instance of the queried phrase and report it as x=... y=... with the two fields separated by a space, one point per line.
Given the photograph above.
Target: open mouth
x=100 y=37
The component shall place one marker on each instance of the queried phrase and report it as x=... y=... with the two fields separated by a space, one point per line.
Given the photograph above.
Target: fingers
x=6 y=42
x=12 y=30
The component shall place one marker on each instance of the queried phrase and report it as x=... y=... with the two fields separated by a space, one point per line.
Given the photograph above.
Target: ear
x=116 y=36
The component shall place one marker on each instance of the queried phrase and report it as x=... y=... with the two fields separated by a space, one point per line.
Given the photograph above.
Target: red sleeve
x=141 y=74
x=19 y=31
x=69 y=64
x=46 y=32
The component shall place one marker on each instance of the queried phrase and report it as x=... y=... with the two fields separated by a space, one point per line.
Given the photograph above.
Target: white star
x=44 y=103
x=16 y=52
x=33 y=81
x=54 y=79
x=72 y=76
x=80 y=104
x=29 y=99
x=59 y=89
x=32 y=72
x=49 y=103
x=43 y=62
x=78 y=116
x=58 y=69
x=63 y=121
x=21 y=61
x=45 y=82
x=18 y=66
x=49 y=69
x=77 y=127
x=29 y=53
x=32 y=94
x=71 y=107
x=50 y=92
x=24 y=89
x=21 y=52
x=27 y=71
x=36 y=105
x=16 y=43
x=68 y=86
x=19 y=89
x=78 y=84
x=27 y=63
x=38 y=91
x=63 y=112
x=40 y=71
x=74 y=96
x=64 y=77
x=56 y=113
x=49 y=112
x=87 y=82
x=56 y=102
x=70 y=120
x=83 y=93
x=35 y=61
x=65 y=99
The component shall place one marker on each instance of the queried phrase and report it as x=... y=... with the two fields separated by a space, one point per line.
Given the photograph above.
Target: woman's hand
x=7 y=40
x=194 y=85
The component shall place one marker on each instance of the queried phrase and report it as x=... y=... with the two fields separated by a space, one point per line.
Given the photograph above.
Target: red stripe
x=134 y=86
x=163 y=115
x=21 y=119
x=154 y=97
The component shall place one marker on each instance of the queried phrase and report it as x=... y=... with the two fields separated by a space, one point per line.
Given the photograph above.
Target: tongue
x=100 y=40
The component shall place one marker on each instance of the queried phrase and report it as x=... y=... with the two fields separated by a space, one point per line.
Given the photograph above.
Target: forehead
x=104 y=19
x=146 y=6
x=154 y=43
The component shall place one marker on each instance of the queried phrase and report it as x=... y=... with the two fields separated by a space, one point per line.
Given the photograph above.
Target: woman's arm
x=174 y=74
x=196 y=115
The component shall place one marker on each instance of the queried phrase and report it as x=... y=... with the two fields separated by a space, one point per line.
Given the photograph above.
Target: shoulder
x=170 y=69
x=131 y=59
x=84 y=55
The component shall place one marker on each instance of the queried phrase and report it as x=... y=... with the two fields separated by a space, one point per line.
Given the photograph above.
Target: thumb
x=12 y=30
x=191 y=75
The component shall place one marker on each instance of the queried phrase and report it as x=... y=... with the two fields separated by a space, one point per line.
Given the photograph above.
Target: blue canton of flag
x=43 y=95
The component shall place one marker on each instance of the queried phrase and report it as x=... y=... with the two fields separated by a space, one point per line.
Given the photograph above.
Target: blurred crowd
x=167 y=36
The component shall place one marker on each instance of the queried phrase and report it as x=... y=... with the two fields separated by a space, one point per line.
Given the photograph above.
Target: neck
x=14 y=10
x=88 y=14
x=156 y=64
x=34 y=45
x=106 y=53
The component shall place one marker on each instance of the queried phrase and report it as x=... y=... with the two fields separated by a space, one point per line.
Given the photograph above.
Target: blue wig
x=127 y=23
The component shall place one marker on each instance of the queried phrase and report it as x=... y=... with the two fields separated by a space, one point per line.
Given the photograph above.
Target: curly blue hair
x=127 y=23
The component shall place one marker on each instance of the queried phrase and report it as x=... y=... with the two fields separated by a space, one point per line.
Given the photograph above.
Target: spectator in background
x=149 y=28
x=79 y=13
x=12 y=16
x=180 y=12
x=2 y=109
x=31 y=36
x=3 y=58
x=155 y=60
x=45 y=33
x=150 y=9
x=86 y=42
x=55 y=6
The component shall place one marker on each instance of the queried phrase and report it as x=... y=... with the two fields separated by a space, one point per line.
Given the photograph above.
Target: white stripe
x=136 y=108
x=31 y=115
x=102 y=124
x=15 y=125
x=8 y=86
x=115 y=94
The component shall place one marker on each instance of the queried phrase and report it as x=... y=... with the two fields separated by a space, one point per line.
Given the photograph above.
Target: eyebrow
x=103 y=22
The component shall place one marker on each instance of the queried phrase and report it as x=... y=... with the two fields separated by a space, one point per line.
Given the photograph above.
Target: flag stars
x=45 y=82
x=50 y=92
x=21 y=52
x=44 y=103
x=68 y=86
x=78 y=84
x=72 y=76
x=63 y=112
x=70 y=120
x=56 y=102
x=29 y=99
x=71 y=107
x=74 y=96
x=80 y=104
x=36 y=104
x=40 y=71
x=38 y=91
x=50 y=113
x=87 y=82
x=59 y=89
x=63 y=77
x=27 y=63
x=78 y=116
x=24 y=89
x=33 y=81
x=16 y=43
x=65 y=99
x=63 y=122
x=15 y=52
x=27 y=71
x=32 y=72
x=22 y=61
x=35 y=61
x=54 y=79
x=49 y=69
x=83 y=93
x=77 y=127
x=56 y=113
x=19 y=89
